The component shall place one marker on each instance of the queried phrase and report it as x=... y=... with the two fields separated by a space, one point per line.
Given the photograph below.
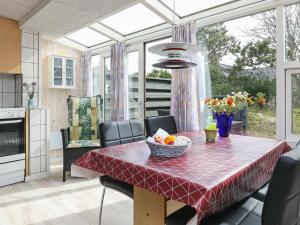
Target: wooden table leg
x=173 y=206
x=149 y=208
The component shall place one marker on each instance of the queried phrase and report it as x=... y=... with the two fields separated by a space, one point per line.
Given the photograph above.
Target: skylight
x=133 y=19
x=88 y=37
x=187 y=7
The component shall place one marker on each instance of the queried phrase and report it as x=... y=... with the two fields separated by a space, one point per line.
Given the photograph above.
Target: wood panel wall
x=56 y=99
x=10 y=46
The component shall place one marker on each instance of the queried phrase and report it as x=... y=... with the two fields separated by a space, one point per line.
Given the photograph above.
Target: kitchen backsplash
x=10 y=91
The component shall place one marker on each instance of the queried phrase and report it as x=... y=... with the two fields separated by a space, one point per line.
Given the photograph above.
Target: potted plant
x=30 y=89
x=225 y=108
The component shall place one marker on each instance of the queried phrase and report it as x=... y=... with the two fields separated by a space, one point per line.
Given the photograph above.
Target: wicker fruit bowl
x=169 y=151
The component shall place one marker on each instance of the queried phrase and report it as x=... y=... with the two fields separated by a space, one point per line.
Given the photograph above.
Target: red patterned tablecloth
x=208 y=177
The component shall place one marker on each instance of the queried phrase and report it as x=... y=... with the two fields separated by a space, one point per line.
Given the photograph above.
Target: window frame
x=289 y=113
x=140 y=49
x=212 y=17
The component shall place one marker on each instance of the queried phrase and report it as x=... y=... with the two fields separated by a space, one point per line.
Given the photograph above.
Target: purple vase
x=224 y=123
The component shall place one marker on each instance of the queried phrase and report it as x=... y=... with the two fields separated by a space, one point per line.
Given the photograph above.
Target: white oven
x=12 y=145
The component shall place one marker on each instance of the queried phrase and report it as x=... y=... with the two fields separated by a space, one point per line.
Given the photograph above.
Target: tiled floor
x=51 y=202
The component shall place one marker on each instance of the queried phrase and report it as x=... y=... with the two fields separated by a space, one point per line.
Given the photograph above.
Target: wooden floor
x=51 y=202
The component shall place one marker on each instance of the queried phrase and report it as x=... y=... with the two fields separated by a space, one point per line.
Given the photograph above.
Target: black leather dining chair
x=261 y=193
x=167 y=123
x=281 y=206
x=117 y=133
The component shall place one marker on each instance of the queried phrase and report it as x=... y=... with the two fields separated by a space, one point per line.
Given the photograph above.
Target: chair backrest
x=166 y=123
x=84 y=114
x=116 y=133
x=282 y=202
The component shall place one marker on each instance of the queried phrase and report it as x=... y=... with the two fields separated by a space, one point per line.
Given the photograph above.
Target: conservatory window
x=133 y=19
x=293 y=32
x=187 y=7
x=96 y=74
x=88 y=37
x=242 y=57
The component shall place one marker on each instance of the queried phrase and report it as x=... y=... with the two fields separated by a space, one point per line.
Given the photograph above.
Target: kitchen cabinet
x=10 y=47
x=62 y=72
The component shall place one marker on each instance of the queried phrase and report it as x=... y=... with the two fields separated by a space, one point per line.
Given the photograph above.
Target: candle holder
x=211 y=135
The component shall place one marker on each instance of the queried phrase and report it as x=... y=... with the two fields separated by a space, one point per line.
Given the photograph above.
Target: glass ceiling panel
x=187 y=7
x=133 y=19
x=88 y=37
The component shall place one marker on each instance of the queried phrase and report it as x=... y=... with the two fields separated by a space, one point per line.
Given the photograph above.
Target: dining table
x=209 y=177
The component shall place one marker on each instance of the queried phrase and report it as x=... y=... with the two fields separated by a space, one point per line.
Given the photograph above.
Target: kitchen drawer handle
x=10 y=121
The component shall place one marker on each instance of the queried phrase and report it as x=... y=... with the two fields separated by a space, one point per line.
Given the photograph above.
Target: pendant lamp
x=177 y=55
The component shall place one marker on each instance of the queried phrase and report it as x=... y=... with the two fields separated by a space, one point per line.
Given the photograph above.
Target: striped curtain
x=185 y=100
x=119 y=83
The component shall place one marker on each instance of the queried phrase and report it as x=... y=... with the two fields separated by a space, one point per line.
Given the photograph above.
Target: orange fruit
x=170 y=140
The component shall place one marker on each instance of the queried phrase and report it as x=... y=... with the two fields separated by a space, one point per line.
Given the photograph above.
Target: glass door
x=107 y=88
x=293 y=104
x=135 y=72
x=135 y=84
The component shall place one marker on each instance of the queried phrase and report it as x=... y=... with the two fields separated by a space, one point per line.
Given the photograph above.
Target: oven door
x=12 y=137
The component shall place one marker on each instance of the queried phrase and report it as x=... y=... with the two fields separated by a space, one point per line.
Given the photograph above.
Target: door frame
x=289 y=114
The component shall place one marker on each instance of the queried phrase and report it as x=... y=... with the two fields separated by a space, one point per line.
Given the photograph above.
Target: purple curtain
x=119 y=83
x=185 y=100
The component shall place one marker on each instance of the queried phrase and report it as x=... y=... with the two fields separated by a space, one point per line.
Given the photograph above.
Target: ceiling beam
x=71 y=43
x=33 y=12
x=104 y=30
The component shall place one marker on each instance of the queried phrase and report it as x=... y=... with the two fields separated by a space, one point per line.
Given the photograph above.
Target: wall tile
x=36 y=69
x=35 y=56
x=43 y=116
x=27 y=69
x=43 y=147
x=27 y=55
x=35 y=117
x=9 y=99
x=19 y=84
x=27 y=40
x=35 y=165
x=43 y=164
x=43 y=132
x=9 y=83
x=35 y=133
x=35 y=148
x=19 y=99
x=36 y=41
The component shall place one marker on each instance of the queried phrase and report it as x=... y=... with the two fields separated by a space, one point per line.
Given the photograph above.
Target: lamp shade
x=178 y=55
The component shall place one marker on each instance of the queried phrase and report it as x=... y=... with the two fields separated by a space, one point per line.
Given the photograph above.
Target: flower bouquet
x=225 y=108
